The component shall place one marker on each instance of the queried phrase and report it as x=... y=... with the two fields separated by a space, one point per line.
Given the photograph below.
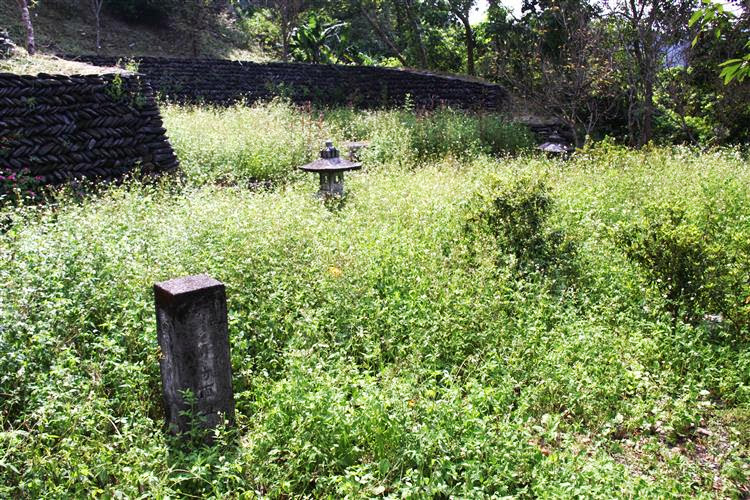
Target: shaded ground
x=63 y=27
x=716 y=450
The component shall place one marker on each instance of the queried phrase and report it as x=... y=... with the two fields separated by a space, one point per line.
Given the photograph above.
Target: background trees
x=619 y=67
x=647 y=30
x=624 y=68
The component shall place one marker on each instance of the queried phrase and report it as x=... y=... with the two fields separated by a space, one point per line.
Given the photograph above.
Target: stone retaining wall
x=218 y=81
x=64 y=127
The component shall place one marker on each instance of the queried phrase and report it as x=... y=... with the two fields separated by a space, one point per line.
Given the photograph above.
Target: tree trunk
x=284 y=41
x=96 y=9
x=98 y=34
x=470 y=50
x=469 y=35
x=632 y=116
x=383 y=35
x=648 y=111
x=288 y=13
x=26 y=17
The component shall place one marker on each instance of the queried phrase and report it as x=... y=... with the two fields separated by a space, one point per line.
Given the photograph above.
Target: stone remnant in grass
x=331 y=168
x=191 y=319
x=556 y=144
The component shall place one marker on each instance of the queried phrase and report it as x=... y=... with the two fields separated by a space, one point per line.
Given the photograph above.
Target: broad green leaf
x=697 y=15
x=730 y=61
x=729 y=72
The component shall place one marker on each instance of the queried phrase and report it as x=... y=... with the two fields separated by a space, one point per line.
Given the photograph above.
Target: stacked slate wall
x=64 y=127
x=217 y=81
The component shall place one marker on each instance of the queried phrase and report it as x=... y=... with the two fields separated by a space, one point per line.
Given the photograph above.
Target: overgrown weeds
x=701 y=271
x=244 y=144
x=471 y=327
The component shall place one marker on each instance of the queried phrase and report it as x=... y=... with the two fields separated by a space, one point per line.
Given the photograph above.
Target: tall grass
x=267 y=141
x=402 y=344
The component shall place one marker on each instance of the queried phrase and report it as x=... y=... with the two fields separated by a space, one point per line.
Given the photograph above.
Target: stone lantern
x=331 y=167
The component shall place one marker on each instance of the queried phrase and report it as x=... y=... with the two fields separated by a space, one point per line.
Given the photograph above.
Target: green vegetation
x=471 y=320
x=460 y=324
x=619 y=69
x=267 y=141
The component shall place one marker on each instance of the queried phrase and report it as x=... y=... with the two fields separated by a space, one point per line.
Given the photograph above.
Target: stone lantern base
x=331 y=184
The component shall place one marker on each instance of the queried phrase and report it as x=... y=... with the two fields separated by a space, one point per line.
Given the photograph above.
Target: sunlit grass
x=268 y=141
x=401 y=343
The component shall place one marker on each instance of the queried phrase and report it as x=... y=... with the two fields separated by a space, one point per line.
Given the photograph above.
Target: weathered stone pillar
x=191 y=324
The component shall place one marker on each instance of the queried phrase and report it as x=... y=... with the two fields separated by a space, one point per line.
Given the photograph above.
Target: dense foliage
x=464 y=323
x=459 y=325
x=619 y=68
x=603 y=67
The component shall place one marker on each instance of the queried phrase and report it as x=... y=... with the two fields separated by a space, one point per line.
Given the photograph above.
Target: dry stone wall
x=218 y=81
x=65 y=127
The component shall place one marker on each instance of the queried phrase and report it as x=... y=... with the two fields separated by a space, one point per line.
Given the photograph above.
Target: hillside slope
x=67 y=27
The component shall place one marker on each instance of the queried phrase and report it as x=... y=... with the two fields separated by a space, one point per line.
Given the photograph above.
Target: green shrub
x=687 y=257
x=514 y=212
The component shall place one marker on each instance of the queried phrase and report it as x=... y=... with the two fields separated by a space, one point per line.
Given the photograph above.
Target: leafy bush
x=686 y=256
x=514 y=212
x=261 y=30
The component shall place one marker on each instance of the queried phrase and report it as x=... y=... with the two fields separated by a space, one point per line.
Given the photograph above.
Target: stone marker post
x=191 y=324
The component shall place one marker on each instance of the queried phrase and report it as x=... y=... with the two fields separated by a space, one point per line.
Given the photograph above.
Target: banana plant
x=319 y=42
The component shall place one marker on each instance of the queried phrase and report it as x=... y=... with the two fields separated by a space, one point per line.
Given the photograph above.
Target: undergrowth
x=470 y=328
x=266 y=142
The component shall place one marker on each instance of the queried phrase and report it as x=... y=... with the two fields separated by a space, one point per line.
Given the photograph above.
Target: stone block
x=192 y=329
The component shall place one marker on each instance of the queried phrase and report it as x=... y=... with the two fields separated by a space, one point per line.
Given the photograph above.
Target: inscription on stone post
x=191 y=323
